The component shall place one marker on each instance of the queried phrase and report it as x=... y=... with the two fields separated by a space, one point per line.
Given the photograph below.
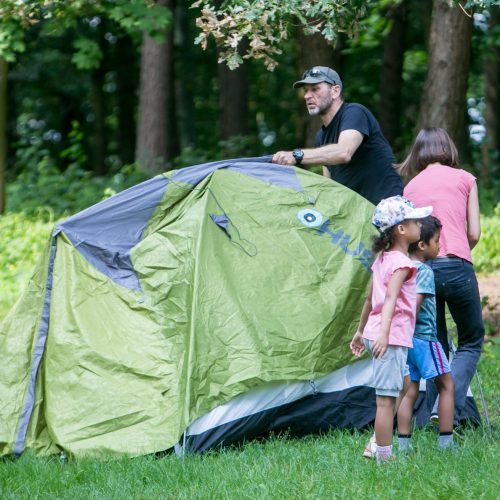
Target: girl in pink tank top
x=388 y=316
x=433 y=178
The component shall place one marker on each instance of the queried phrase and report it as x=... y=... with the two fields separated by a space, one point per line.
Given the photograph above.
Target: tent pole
x=480 y=387
x=483 y=401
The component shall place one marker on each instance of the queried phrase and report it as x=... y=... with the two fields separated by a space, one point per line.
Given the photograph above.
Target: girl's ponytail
x=383 y=241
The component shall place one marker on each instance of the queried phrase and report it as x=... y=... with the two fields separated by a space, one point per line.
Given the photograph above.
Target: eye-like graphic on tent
x=193 y=310
x=310 y=218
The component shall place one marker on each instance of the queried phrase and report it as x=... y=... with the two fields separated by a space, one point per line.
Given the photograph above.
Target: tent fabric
x=342 y=399
x=105 y=233
x=158 y=305
x=37 y=354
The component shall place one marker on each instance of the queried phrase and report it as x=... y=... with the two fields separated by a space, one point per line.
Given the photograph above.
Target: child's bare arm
x=357 y=346
x=420 y=300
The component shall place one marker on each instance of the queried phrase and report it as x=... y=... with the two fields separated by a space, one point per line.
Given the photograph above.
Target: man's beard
x=322 y=107
x=314 y=111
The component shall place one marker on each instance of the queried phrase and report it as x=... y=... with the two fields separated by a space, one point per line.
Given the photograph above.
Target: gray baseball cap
x=318 y=74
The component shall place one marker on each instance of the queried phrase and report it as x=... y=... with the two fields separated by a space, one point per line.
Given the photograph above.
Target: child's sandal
x=370 y=448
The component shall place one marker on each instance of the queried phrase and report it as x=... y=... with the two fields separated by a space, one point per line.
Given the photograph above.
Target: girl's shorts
x=389 y=370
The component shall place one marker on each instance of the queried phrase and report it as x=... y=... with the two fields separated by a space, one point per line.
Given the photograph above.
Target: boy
x=427 y=359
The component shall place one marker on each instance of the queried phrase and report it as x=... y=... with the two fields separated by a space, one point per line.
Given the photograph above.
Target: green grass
x=315 y=467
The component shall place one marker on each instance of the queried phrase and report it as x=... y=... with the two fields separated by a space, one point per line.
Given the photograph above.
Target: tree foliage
x=266 y=24
x=133 y=16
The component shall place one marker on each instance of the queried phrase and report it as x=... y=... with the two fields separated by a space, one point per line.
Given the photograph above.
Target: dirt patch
x=489 y=289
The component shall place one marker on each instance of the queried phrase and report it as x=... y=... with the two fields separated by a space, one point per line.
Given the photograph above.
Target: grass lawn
x=315 y=467
x=328 y=466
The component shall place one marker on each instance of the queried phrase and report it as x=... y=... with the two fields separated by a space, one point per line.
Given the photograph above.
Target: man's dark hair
x=429 y=226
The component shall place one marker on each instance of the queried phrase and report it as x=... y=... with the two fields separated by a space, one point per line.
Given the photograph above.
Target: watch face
x=298 y=154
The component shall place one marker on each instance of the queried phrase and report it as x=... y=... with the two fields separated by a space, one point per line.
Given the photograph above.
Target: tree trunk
x=391 y=77
x=156 y=134
x=183 y=43
x=313 y=50
x=233 y=99
x=126 y=69
x=491 y=145
x=99 y=141
x=173 y=148
x=443 y=102
x=233 y=95
x=3 y=131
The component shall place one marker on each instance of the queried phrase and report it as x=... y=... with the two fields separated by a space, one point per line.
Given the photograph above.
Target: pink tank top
x=403 y=319
x=447 y=190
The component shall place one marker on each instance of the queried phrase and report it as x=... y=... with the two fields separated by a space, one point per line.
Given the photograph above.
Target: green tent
x=204 y=306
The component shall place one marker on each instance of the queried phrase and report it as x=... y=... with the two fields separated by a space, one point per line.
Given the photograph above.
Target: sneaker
x=452 y=448
x=370 y=448
x=435 y=420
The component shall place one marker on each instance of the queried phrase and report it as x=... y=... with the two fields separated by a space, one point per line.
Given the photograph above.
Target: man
x=350 y=143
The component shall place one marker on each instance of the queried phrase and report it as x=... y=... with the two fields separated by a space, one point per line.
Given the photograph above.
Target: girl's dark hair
x=429 y=226
x=432 y=145
x=383 y=241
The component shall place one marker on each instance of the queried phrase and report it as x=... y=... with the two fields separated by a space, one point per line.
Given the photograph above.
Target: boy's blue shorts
x=426 y=360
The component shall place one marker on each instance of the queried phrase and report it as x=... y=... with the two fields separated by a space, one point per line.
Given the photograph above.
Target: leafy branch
x=265 y=24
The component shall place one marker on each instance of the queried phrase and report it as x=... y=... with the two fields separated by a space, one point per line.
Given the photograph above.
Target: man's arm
x=330 y=154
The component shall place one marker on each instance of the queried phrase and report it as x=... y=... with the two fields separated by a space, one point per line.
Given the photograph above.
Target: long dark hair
x=432 y=145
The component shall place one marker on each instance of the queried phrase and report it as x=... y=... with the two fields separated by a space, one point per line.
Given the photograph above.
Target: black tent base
x=353 y=408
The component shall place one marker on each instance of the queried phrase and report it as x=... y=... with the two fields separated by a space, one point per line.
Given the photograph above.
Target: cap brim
x=419 y=213
x=308 y=81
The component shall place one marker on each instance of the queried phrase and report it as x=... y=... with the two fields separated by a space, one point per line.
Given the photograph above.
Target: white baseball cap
x=396 y=209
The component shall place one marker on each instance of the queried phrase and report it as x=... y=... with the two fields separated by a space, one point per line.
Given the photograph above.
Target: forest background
x=97 y=95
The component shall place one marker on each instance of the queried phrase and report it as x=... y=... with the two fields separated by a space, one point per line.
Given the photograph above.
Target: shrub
x=23 y=239
x=46 y=190
x=486 y=255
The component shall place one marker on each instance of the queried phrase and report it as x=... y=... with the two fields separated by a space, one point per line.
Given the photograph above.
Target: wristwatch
x=298 y=154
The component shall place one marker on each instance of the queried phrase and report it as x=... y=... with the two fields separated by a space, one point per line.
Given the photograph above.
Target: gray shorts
x=389 y=370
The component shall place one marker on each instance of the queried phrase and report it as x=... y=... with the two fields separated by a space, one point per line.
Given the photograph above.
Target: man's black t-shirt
x=370 y=172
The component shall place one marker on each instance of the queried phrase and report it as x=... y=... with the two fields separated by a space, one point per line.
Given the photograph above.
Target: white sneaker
x=435 y=420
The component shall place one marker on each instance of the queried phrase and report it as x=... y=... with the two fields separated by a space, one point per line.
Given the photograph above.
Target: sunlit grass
x=314 y=467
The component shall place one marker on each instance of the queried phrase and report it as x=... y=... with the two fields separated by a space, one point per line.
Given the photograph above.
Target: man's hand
x=284 y=158
x=357 y=346
x=379 y=346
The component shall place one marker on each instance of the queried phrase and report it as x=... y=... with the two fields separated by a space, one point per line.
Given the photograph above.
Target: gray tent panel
x=105 y=233
x=261 y=168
